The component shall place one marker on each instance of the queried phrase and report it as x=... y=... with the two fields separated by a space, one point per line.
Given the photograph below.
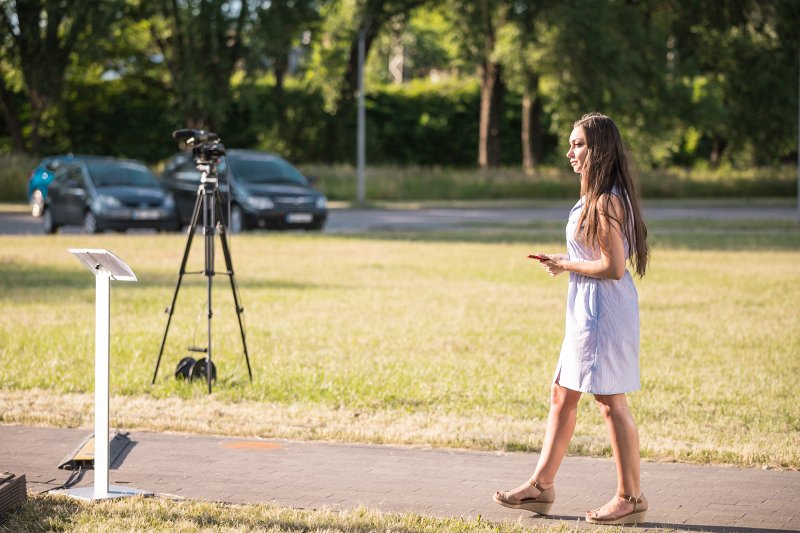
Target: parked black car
x=268 y=192
x=102 y=193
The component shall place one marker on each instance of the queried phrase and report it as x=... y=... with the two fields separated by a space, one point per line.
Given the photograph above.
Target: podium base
x=114 y=491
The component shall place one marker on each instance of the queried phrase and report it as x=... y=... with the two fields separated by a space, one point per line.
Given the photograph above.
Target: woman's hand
x=553 y=263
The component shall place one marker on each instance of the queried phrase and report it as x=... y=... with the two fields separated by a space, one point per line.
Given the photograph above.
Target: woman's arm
x=611 y=264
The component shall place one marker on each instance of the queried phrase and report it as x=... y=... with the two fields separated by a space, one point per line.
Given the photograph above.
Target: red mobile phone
x=539 y=257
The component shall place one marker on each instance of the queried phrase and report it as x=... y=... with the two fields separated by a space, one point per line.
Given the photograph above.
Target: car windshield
x=261 y=169
x=116 y=173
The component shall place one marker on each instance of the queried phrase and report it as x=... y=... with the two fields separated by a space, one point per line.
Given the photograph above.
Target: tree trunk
x=528 y=162
x=350 y=85
x=492 y=92
x=280 y=68
x=11 y=118
x=532 y=151
x=717 y=147
x=536 y=131
x=44 y=51
x=38 y=106
x=338 y=134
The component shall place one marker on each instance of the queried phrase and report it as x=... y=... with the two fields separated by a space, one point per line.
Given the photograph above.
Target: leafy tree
x=478 y=24
x=612 y=58
x=335 y=68
x=281 y=27
x=425 y=39
x=201 y=42
x=372 y=17
x=520 y=48
x=38 y=40
x=9 y=107
x=740 y=61
x=282 y=31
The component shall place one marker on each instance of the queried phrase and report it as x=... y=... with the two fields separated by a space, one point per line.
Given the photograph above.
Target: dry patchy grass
x=53 y=513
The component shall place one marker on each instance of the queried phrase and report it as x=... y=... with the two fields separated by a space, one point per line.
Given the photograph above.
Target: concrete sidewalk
x=401 y=479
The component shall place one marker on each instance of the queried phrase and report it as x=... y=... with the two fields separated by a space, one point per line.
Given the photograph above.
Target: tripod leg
x=229 y=266
x=181 y=272
x=209 y=228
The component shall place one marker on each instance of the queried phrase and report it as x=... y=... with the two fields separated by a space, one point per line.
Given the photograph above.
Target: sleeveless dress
x=600 y=352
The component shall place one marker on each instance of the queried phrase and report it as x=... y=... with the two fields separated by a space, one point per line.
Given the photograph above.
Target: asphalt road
x=358 y=220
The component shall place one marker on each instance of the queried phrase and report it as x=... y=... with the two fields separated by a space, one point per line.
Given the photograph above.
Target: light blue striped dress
x=600 y=352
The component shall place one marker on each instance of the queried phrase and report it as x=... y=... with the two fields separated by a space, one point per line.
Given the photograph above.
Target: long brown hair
x=605 y=170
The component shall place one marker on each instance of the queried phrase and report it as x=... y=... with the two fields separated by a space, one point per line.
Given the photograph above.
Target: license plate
x=299 y=218
x=145 y=214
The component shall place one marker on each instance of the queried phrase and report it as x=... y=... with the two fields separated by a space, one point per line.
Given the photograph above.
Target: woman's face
x=577 y=149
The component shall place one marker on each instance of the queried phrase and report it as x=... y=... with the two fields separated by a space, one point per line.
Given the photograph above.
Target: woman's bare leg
x=625 y=445
x=560 y=427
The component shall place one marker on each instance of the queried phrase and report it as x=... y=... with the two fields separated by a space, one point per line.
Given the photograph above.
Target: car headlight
x=260 y=203
x=105 y=201
x=169 y=202
x=321 y=202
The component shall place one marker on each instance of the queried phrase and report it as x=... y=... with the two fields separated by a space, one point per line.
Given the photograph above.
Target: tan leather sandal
x=636 y=516
x=540 y=504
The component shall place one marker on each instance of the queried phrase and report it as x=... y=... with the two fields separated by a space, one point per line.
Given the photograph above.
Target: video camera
x=205 y=145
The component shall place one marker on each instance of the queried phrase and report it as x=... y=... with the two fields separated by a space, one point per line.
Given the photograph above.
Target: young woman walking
x=600 y=352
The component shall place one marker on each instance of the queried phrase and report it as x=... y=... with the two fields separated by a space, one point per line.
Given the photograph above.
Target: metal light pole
x=361 y=127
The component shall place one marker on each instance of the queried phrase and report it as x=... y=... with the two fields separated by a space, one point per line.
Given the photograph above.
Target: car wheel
x=90 y=223
x=237 y=219
x=47 y=222
x=37 y=203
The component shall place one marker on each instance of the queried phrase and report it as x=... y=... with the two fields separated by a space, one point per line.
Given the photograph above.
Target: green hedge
x=405 y=126
x=123 y=118
x=417 y=124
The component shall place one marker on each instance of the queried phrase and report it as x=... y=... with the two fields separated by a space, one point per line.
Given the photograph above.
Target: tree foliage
x=39 y=39
x=201 y=42
x=709 y=82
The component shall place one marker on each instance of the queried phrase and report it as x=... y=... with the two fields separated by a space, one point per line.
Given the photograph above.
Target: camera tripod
x=209 y=202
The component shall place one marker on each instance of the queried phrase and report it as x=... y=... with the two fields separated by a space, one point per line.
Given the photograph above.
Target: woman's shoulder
x=612 y=200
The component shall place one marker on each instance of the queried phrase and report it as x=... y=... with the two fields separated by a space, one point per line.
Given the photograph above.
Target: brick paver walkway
x=403 y=479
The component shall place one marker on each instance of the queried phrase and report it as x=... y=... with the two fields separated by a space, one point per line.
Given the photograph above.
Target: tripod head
x=206 y=149
x=205 y=144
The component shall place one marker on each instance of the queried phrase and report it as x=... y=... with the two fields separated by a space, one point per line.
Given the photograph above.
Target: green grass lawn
x=50 y=513
x=447 y=339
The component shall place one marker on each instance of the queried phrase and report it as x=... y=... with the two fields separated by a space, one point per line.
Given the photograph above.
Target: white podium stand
x=105 y=266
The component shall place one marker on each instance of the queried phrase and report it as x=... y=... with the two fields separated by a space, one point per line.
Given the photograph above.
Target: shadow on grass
x=709 y=235
x=158 y=279
x=15 y=275
x=62 y=283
